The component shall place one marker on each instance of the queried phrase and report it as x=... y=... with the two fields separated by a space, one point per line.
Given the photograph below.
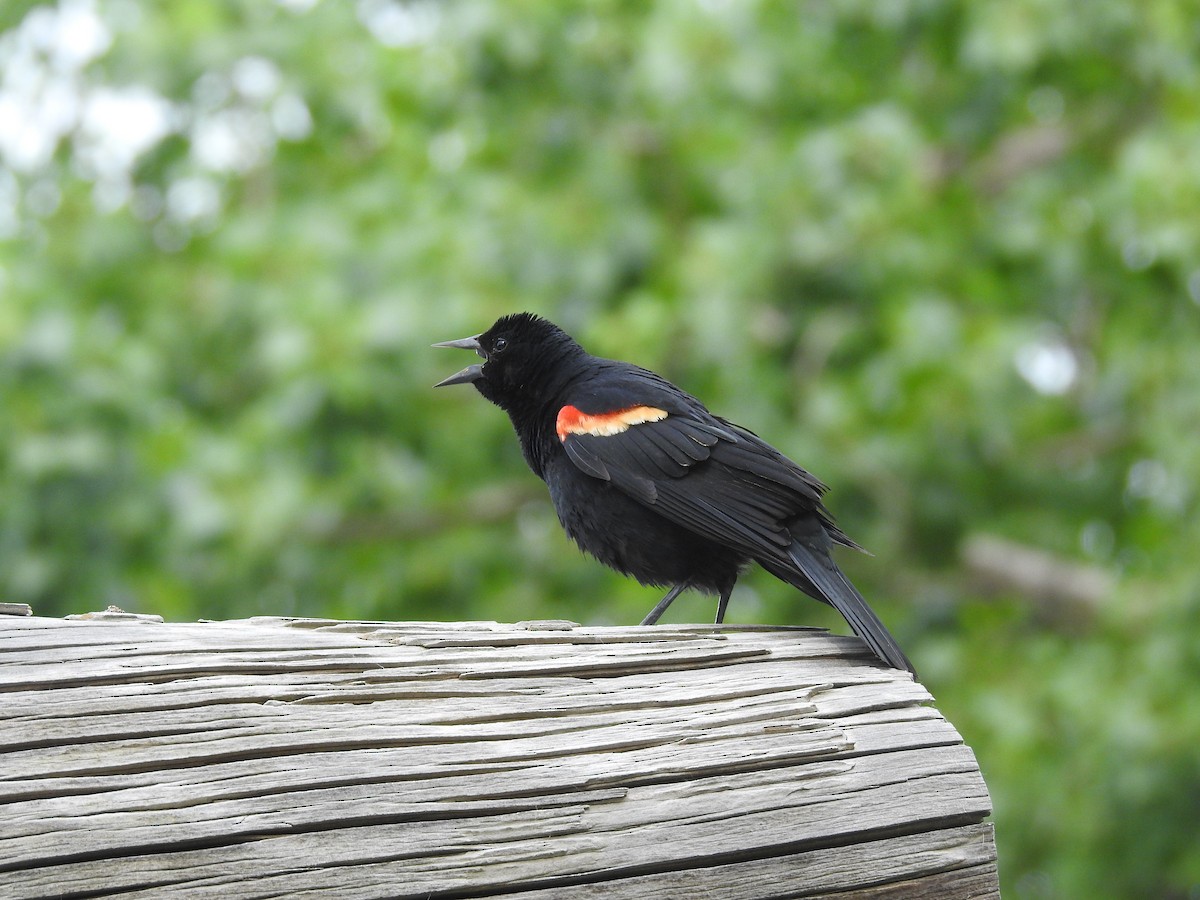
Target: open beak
x=470 y=373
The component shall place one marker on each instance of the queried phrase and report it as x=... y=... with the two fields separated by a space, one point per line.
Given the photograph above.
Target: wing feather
x=763 y=461
x=678 y=445
x=733 y=524
x=588 y=463
x=703 y=473
x=656 y=459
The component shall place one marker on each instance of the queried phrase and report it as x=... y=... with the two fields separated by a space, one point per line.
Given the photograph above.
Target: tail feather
x=819 y=571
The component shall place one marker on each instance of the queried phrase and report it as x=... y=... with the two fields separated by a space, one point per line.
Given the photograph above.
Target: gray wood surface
x=310 y=758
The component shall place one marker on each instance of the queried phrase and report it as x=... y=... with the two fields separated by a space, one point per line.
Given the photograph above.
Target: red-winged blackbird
x=648 y=481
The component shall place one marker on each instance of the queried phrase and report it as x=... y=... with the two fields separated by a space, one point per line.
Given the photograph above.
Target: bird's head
x=522 y=355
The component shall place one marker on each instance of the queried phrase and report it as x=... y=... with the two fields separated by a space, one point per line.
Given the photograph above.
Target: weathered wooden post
x=293 y=757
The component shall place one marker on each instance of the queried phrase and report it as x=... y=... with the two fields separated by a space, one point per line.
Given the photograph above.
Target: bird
x=649 y=482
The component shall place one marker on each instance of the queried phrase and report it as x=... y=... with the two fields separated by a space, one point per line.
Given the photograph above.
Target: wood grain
x=283 y=757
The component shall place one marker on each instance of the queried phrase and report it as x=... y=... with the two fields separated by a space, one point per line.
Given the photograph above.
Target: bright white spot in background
x=79 y=36
x=58 y=106
x=25 y=142
x=193 y=199
x=1048 y=364
x=396 y=24
x=36 y=31
x=216 y=143
x=118 y=125
x=232 y=140
x=448 y=151
x=256 y=78
x=40 y=61
x=290 y=118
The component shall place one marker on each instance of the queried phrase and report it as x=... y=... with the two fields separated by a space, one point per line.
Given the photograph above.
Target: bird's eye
x=499 y=344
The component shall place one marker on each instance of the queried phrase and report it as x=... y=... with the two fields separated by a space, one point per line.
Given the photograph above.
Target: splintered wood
x=282 y=758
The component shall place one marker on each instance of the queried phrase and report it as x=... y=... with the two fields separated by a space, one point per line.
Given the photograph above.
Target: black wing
x=666 y=450
x=705 y=474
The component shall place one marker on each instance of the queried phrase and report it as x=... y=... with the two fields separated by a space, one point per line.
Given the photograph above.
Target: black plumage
x=648 y=481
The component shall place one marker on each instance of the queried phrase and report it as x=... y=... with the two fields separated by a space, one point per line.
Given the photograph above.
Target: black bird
x=648 y=481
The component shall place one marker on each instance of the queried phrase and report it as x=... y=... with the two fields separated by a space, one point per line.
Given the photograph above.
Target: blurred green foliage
x=942 y=253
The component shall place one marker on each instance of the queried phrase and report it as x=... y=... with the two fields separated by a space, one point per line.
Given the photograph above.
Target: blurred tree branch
x=1065 y=592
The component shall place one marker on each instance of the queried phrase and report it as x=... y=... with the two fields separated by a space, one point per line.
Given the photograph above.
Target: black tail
x=816 y=569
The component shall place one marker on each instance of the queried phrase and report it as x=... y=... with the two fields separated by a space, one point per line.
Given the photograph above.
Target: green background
x=944 y=254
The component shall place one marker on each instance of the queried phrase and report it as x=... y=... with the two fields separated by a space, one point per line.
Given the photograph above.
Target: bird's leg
x=666 y=601
x=723 y=603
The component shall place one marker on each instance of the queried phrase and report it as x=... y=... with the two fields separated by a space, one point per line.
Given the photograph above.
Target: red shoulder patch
x=572 y=421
